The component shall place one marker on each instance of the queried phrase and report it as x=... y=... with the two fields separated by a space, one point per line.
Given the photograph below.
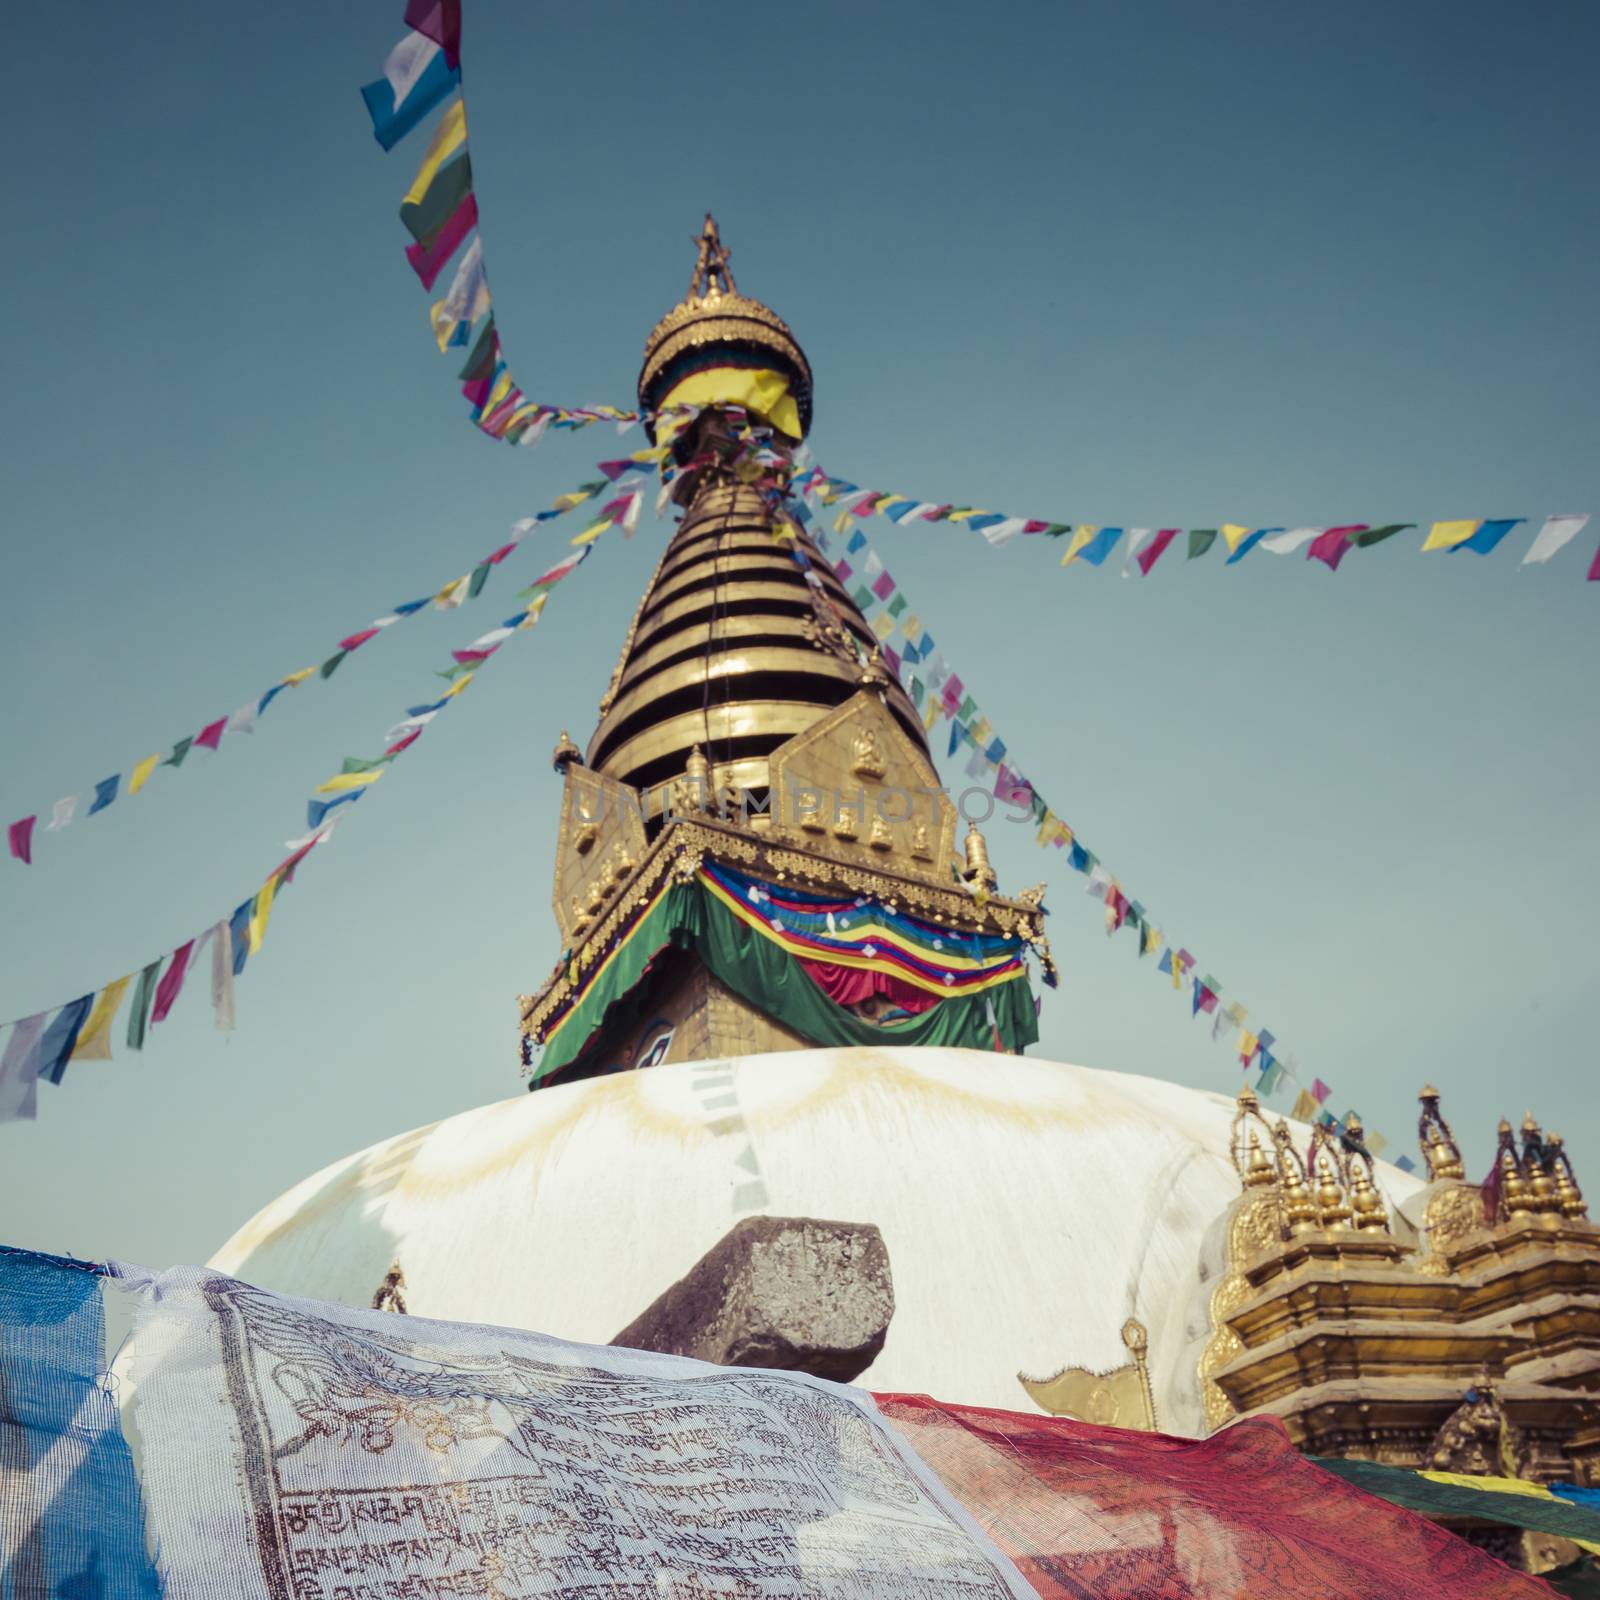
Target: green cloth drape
x=688 y=918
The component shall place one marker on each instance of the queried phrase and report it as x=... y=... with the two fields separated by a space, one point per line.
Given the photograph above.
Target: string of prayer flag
x=1092 y=545
x=938 y=692
x=41 y=1046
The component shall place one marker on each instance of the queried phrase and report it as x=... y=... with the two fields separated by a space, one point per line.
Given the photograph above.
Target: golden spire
x=1568 y=1196
x=712 y=316
x=565 y=753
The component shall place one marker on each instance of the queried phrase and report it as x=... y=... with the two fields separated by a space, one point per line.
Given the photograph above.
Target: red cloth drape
x=849 y=986
x=1116 y=1515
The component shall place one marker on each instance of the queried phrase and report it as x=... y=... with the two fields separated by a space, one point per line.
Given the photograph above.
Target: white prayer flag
x=1556 y=532
x=406 y=63
x=1283 y=544
x=61 y=813
x=1004 y=532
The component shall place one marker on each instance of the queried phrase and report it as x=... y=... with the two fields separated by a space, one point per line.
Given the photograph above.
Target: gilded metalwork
x=390 y=1294
x=1121 y=1398
x=714 y=312
x=1476 y=1438
x=1437 y=1143
x=600 y=838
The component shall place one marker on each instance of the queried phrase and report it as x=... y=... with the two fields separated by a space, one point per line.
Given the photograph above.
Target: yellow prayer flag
x=299 y=677
x=911 y=625
x=451 y=596
x=141 y=773
x=349 y=780
x=883 y=626
x=1233 y=534
x=443 y=324
x=1247 y=1045
x=260 y=912
x=1305 y=1107
x=1445 y=535
x=535 y=610
x=456 y=687
x=502 y=387
x=592 y=532
x=1081 y=535
x=759 y=389
x=931 y=715
x=448 y=137
x=967 y=514
x=94 y=1042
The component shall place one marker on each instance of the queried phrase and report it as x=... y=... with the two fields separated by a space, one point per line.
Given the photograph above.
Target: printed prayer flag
x=448 y=137
x=1100 y=546
x=261 y=912
x=19 y=1069
x=1305 y=1107
x=1489 y=534
x=1447 y=535
x=1319 y=1090
x=439 y=20
x=61 y=813
x=94 y=1042
x=105 y=792
x=61 y=1037
x=171 y=982
x=141 y=773
x=416 y=78
x=1372 y=536
x=210 y=736
x=20 y=837
x=1556 y=532
x=1248 y=1044
x=181 y=749
x=1405 y=1163
x=1271 y=1077
x=429 y=260
x=1200 y=540
x=1153 y=552
x=1283 y=544
x=1241 y=546
x=883 y=586
x=139 y=1011
x=352 y=780
x=1331 y=547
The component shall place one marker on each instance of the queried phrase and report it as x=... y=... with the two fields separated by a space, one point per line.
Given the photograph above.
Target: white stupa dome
x=1029 y=1207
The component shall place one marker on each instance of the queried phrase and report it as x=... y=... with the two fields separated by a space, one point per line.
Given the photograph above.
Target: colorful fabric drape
x=1106 y=1512
x=987 y=1007
x=1560 y=1509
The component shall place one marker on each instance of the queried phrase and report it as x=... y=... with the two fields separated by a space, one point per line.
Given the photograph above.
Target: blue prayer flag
x=1488 y=536
x=1099 y=547
x=55 y=1048
x=391 y=122
x=105 y=792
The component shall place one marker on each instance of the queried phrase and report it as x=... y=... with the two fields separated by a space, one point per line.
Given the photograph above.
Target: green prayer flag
x=361 y=764
x=480 y=576
x=897 y=605
x=863 y=597
x=1378 y=535
x=179 y=751
x=1200 y=540
x=331 y=665
x=481 y=362
x=1056 y=529
x=139 y=1012
x=917 y=691
x=451 y=184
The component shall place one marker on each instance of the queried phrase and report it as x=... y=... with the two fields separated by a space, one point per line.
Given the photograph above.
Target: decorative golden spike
x=1300 y=1208
x=1332 y=1209
x=1440 y=1152
x=1366 y=1203
x=1569 y=1197
x=1258 y=1169
x=566 y=753
x=1535 y=1170
x=712 y=274
x=1514 y=1194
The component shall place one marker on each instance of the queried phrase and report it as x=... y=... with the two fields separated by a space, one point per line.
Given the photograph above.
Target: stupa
x=782 y=1112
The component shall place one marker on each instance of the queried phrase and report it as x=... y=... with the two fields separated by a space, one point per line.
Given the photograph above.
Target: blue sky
x=1151 y=264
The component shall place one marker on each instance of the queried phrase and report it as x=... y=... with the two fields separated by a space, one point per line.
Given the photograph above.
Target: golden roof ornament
x=1568 y=1196
x=565 y=754
x=1440 y=1152
x=714 y=313
x=979 y=873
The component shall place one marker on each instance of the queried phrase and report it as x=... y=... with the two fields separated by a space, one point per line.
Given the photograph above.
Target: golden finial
x=1513 y=1191
x=979 y=873
x=712 y=274
x=1440 y=1152
x=1300 y=1209
x=1332 y=1209
x=1568 y=1196
x=566 y=753
x=390 y=1294
x=1366 y=1203
x=1257 y=1169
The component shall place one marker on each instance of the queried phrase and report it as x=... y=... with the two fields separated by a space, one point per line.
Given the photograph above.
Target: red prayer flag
x=1153 y=551
x=1083 y=1511
x=439 y=20
x=1330 y=547
x=20 y=835
x=171 y=982
x=883 y=586
x=1594 y=567
x=429 y=263
x=359 y=638
x=401 y=744
x=210 y=737
x=500 y=554
x=1319 y=1090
